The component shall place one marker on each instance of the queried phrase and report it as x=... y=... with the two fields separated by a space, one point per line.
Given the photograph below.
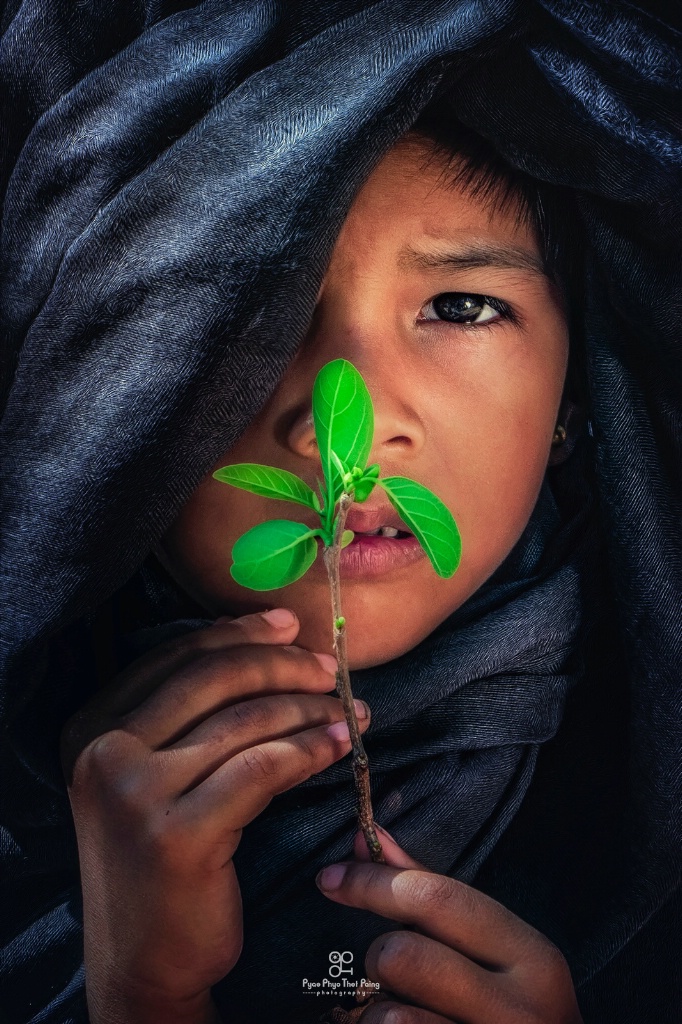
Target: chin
x=370 y=654
x=361 y=652
x=367 y=662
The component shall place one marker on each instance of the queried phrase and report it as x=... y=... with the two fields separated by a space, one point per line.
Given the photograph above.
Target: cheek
x=196 y=539
x=504 y=479
x=502 y=430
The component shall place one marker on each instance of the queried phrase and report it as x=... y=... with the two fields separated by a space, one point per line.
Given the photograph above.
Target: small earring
x=559 y=435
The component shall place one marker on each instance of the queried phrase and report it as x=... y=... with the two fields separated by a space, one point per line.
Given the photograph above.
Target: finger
x=394 y=854
x=441 y=907
x=435 y=978
x=222 y=679
x=246 y=724
x=390 y=1012
x=254 y=776
x=145 y=674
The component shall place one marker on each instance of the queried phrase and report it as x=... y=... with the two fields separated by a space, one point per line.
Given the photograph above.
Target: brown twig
x=360 y=762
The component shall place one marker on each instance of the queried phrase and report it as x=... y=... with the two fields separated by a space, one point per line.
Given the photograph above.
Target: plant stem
x=360 y=762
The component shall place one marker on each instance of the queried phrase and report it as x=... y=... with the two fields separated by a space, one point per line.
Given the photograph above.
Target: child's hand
x=470 y=959
x=165 y=766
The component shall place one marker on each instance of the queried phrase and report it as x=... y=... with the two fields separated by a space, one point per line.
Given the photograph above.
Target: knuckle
x=207 y=639
x=199 y=641
x=293 y=660
x=225 y=672
x=312 y=755
x=428 y=890
x=252 y=716
x=221 y=664
x=261 y=766
x=551 y=968
x=304 y=662
x=186 y=643
x=255 y=664
x=106 y=767
x=101 y=757
x=310 y=749
x=306 y=760
x=284 y=665
x=396 y=952
x=179 y=648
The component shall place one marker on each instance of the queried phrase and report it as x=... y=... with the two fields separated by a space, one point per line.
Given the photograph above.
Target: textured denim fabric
x=176 y=173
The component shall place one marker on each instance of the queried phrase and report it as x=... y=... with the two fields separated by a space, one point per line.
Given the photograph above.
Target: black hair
x=474 y=164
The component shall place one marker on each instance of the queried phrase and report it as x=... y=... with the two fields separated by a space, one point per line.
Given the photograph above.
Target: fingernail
x=331 y=877
x=338 y=731
x=361 y=709
x=328 y=662
x=392 y=1017
x=279 y=617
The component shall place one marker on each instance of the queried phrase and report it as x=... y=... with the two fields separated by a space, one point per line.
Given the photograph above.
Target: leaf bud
x=363 y=489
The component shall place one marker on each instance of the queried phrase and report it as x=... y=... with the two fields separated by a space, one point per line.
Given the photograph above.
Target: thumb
x=394 y=854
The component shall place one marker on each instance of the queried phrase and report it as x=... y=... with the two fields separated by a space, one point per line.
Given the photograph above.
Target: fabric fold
x=174 y=177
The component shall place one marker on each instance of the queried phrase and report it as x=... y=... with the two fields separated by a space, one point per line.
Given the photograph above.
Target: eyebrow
x=472 y=256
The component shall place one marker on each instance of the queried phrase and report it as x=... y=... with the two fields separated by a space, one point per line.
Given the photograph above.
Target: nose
x=398 y=427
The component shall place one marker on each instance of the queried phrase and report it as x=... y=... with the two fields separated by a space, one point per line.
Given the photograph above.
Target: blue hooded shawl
x=174 y=172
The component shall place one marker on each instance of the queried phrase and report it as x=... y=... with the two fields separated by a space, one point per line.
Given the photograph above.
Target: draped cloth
x=174 y=178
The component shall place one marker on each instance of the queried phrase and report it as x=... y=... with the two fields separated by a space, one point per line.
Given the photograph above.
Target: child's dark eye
x=462 y=308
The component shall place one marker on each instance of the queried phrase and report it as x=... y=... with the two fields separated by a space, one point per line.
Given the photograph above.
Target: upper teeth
x=385 y=531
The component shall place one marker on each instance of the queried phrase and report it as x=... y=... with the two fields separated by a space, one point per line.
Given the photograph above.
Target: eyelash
x=505 y=311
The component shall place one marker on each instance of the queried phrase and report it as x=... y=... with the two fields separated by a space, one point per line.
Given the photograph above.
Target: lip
x=374 y=556
x=361 y=519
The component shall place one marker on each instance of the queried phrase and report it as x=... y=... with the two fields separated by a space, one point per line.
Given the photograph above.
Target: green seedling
x=278 y=552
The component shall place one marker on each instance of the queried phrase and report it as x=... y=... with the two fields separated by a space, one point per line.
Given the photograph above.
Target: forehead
x=412 y=192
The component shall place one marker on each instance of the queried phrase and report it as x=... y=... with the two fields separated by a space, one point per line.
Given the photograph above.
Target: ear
x=573 y=419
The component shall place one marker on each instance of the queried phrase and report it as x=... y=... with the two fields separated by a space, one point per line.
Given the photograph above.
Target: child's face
x=467 y=410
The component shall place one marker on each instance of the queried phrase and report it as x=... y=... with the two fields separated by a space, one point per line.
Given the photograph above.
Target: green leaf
x=323 y=492
x=273 y=554
x=430 y=521
x=344 y=420
x=269 y=482
x=341 y=470
x=363 y=489
x=365 y=485
x=346 y=538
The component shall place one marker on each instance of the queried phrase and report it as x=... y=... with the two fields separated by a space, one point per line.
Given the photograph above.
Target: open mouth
x=384 y=531
x=376 y=552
